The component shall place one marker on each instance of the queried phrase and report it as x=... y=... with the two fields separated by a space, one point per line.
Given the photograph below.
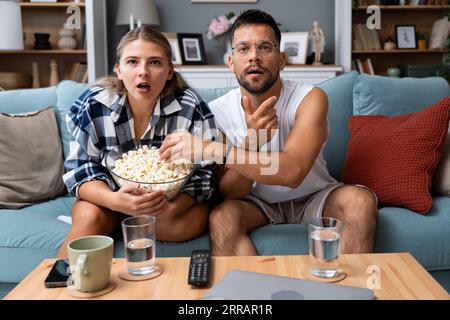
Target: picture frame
x=176 y=53
x=192 y=48
x=406 y=36
x=295 y=46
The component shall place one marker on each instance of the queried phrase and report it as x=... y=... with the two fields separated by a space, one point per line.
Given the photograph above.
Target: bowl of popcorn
x=142 y=166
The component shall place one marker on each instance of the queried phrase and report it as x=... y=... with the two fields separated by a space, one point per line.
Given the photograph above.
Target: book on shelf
x=363 y=66
x=78 y=72
x=435 y=2
x=369 y=67
x=82 y=44
x=358 y=65
x=375 y=39
x=364 y=3
x=362 y=36
x=356 y=43
x=365 y=38
x=85 y=76
x=73 y=71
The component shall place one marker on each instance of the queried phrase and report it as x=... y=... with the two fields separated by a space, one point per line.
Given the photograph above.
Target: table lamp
x=11 y=35
x=137 y=12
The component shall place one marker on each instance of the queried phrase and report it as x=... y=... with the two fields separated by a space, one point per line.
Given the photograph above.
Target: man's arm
x=286 y=168
x=232 y=184
x=303 y=145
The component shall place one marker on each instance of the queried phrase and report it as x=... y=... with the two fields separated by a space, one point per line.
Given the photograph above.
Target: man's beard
x=262 y=88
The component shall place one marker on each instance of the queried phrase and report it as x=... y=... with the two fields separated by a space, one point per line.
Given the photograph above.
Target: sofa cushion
x=426 y=237
x=209 y=95
x=32 y=234
x=67 y=92
x=441 y=179
x=390 y=96
x=397 y=156
x=281 y=239
x=31 y=165
x=340 y=109
x=398 y=230
x=26 y=100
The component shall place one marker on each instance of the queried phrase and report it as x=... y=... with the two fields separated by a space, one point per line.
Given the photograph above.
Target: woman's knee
x=188 y=226
x=88 y=214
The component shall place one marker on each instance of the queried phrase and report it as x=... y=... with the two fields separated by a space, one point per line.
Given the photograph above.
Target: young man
x=301 y=187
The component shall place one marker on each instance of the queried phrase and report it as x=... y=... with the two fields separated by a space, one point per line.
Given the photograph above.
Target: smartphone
x=58 y=275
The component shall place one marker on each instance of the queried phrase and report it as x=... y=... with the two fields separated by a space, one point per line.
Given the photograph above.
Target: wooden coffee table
x=401 y=277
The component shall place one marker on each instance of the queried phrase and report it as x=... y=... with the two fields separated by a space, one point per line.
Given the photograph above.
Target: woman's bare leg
x=89 y=219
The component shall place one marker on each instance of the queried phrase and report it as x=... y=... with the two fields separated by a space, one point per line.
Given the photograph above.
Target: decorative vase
x=42 y=41
x=67 y=40
x=228 y=52
x=390 y=45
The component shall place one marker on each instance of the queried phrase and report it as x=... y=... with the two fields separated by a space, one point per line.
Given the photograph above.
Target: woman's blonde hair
x=146 y=33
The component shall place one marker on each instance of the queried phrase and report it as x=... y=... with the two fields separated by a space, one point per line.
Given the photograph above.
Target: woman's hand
x=183 y=145
x=134 y=201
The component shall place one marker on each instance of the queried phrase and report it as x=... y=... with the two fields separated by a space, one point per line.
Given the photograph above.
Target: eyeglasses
x=264 y=48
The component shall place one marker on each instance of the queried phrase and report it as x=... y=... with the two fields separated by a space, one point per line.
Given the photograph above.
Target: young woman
x=142 y=103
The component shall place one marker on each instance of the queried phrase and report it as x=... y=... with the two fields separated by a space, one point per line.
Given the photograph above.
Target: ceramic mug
x=90 y=261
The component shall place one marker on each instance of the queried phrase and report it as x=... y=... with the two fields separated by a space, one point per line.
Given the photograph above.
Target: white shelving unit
x=219 y=76
x=97 y=44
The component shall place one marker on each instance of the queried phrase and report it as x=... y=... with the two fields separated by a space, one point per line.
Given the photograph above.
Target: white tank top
x=230 y=118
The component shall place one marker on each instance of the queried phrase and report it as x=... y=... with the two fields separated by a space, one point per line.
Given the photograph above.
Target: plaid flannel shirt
x=100 y=120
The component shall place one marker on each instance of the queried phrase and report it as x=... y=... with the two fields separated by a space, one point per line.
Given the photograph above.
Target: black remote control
x=199 y=268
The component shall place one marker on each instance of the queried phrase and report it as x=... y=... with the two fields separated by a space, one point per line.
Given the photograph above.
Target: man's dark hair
x=253 y=16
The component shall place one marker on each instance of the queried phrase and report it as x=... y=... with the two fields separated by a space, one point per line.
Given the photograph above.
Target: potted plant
x=389 y=44
x=422 y=38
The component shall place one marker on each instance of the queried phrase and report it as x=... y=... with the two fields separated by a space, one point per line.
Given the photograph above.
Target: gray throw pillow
x=31 y=162
x=441 y=179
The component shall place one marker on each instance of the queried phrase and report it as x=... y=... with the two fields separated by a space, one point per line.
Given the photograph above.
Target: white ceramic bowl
x=171 y=188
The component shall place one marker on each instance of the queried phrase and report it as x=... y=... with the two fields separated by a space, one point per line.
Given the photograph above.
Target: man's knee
x=361 y=206
x=226 y=218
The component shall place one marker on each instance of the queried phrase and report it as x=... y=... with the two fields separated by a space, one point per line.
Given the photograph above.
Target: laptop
x=244 y=285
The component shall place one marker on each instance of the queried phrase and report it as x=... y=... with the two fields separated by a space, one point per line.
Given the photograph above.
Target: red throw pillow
x=397 y=156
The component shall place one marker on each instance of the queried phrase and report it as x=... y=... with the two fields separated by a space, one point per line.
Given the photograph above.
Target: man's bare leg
x=89 y=219
x=357 y=209
x=229 y=224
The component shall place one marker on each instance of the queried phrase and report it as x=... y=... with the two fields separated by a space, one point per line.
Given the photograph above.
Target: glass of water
x=324 y=235
x=139 y=236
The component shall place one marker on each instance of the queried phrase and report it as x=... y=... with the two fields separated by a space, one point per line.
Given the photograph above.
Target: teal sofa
x=31 y=234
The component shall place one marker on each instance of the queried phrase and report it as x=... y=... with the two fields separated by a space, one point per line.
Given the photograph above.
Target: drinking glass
x=324 y=235
x=139 y=235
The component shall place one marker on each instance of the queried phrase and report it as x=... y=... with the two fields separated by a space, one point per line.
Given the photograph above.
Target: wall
x=187 y=17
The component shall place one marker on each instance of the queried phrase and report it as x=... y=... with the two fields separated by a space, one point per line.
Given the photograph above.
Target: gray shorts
x=299 y=211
